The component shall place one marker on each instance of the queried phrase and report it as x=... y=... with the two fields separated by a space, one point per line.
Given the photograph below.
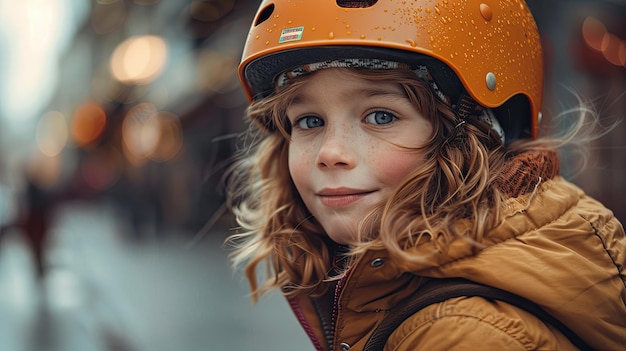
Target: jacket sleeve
x=474 y=324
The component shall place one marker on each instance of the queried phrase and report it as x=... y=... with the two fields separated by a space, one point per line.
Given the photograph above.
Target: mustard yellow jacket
x=557 y=247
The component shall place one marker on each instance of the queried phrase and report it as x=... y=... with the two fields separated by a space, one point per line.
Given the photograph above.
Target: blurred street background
x=117 y=120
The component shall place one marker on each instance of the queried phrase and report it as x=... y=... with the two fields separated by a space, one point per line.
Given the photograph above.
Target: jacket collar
x=523 y=171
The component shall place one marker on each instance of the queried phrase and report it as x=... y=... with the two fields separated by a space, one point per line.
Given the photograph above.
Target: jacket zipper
x=305 y=324
x=329 y=334
x=335 y=313
x=339 y=261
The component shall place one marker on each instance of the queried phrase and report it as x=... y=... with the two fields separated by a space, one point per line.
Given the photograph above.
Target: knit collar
x=524 y=171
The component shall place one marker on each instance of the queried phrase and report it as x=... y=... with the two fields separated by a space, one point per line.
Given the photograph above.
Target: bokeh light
x=88 y=123
x=170 y=137
x=139 y=60
x=140 y=133
x=597 y=37
x=611 y=45
x=593 y=33
x=151 y=135
x=52 y=133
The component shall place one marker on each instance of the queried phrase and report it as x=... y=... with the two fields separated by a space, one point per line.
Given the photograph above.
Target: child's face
x=353 y=141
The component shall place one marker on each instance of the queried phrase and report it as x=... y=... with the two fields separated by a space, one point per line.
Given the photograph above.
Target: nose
x=337 y=149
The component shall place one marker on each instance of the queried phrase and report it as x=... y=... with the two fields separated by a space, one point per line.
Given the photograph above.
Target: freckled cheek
x=299 y=165
x=393 y=167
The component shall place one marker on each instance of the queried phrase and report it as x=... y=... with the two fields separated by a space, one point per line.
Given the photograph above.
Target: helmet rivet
x=486 y=12
x=491 y=81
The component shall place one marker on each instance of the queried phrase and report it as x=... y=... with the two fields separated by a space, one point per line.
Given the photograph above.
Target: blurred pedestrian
x=397 y=145
x=34 y=222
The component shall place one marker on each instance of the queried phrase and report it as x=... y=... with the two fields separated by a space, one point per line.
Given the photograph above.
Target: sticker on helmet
x=291 y=34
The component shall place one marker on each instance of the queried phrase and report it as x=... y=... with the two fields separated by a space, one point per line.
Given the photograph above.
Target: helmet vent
x=356 y=3
x=264 y=14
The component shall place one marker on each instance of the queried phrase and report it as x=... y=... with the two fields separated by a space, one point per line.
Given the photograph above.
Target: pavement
x=104 y=291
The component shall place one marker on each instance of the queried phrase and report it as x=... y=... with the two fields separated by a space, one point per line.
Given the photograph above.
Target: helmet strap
x=466 y=106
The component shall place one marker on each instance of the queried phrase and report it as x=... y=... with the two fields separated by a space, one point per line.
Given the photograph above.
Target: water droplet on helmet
x=411 y=42
x=331 y=35
x=486 y=12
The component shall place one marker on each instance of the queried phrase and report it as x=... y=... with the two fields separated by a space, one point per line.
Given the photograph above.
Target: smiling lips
x=340 y=197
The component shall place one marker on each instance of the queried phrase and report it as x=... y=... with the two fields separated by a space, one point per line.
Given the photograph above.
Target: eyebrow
x=357 y=93
x=372 y=92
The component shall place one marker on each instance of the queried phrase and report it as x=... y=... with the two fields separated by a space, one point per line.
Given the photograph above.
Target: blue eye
x=380 y=117
x=310 y=122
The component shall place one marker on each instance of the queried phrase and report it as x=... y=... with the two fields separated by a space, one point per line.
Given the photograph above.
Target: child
x=395 y=143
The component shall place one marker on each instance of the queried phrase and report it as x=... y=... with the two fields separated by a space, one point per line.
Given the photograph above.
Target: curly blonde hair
x=458 y=183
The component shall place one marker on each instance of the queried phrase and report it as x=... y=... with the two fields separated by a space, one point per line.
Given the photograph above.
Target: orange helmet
x=490 y=48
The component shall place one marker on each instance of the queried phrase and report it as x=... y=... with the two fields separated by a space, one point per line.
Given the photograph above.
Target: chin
x=342 y=238
x=342 y=229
